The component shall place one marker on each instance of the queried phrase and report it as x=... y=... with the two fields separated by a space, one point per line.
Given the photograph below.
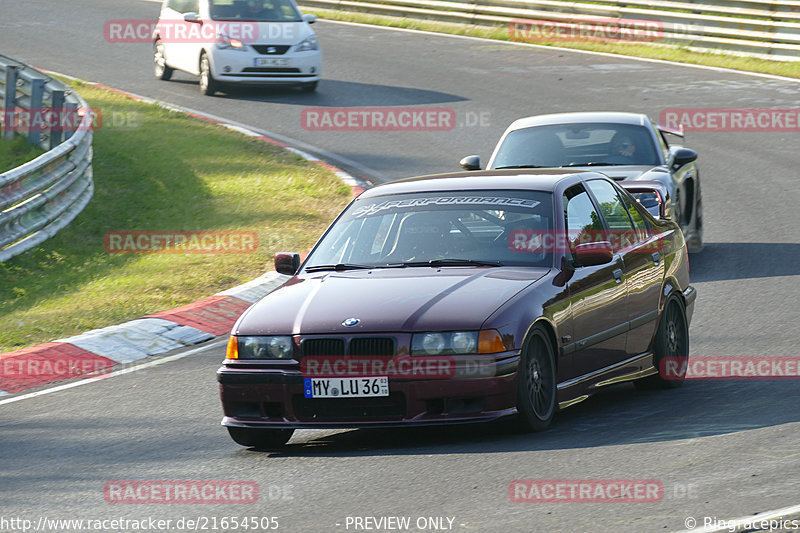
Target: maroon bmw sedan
x=463 y=298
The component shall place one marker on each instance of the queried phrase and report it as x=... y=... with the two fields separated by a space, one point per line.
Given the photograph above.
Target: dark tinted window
x=576 y=145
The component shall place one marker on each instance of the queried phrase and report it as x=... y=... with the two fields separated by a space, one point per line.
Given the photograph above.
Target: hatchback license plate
x=346 y=387
x=270 y=62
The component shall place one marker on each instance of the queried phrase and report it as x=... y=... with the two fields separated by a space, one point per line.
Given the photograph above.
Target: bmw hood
x=390 y=300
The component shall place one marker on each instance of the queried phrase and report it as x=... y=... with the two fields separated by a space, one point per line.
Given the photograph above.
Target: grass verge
x=678 y=54
x=160 y=170
x=16 y=151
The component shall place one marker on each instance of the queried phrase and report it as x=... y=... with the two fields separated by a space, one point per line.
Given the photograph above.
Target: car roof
x=637 y=119
x=522 y=179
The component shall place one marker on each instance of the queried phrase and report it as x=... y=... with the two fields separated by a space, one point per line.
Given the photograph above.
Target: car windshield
x=474 y=228
x=254 y=10
x=562 y=145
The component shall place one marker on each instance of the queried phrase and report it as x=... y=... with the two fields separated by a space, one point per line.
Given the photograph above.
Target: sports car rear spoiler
x=672 y=131
x=652 y=195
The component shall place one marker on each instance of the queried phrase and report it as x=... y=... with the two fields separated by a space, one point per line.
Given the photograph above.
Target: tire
x=208 y=85
x=672 y=341
x=161 y=70
x=309 y=87
x=536 y=384
x=261 y=439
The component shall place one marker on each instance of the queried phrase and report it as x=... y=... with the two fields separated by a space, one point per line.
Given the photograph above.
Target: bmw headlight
x=262 y=347
x=309 y=43
x=459 y=343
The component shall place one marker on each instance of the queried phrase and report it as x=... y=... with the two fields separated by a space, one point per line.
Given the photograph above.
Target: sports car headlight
x=261 y=347
x=308 y=44
x=458 y=343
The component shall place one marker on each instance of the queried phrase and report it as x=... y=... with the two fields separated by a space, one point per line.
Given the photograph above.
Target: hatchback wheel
x=536 y=388
x=162 y=71
x=262 y=439
x=208 y=85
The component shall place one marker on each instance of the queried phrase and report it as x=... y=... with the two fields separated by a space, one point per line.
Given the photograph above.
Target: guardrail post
x=9 y=102
x=57 y=132
x=71 y=111
x=36 y=116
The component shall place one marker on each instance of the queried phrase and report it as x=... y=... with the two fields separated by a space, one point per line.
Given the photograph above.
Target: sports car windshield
x=565 y=145
x=254 y=10
x=439 y=229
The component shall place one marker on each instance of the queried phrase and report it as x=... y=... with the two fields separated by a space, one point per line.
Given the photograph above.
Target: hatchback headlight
x=309 y=43
x=260 y=347
x=227 y=43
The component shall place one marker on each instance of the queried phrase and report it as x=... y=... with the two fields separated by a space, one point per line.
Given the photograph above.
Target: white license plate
x=270 y=62
x=346 y=387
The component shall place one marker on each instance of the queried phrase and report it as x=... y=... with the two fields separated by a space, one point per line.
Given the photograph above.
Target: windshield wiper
x=590 y=164
x=454 y=262
x=517 y=166
x=350 y=266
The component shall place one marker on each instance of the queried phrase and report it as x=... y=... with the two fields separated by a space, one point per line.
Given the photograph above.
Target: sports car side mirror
x=594 y=253
x=287 y=263
x=471 y=162
x=683 y=156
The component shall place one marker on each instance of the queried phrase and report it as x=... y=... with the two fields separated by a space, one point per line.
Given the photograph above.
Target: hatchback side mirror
x=287 y=263
x=310 y=18
x=193 y=17
x=471 y=162
x=594 y=253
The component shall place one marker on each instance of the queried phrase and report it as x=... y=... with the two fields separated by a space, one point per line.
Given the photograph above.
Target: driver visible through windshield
x=464 y=228
x=254 y=10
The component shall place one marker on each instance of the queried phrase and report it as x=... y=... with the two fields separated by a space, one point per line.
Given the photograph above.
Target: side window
x=580 y=218
x=642 y=229
x=621 y=232
x=663 y=144
x=191 y=6
x=177 y=5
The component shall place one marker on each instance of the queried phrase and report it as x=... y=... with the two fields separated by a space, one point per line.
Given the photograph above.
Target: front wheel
x=161 y=70
x=536 y=386
x=670 y=349
x=261 y=439
x=208 y=85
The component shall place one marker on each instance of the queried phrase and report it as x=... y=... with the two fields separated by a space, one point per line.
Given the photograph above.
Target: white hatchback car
x=257 y=42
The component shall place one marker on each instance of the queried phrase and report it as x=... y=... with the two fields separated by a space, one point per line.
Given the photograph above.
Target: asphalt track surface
x=721 y=448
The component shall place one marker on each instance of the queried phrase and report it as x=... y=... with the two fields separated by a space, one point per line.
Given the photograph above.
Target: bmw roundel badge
x=350 y=322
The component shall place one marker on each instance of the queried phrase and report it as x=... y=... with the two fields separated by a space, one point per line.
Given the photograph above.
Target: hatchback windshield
x=481 y=228
x=254 y=10
x=577 y=145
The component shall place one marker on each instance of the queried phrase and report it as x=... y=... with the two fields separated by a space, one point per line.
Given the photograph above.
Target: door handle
x=656 y=257
x=617 y=275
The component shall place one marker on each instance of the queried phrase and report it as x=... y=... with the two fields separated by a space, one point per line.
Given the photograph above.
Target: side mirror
x=193 y=17
x=309 y=18
x=287 y=263
x=594 y=253
x=471 y=162
x=682 y=156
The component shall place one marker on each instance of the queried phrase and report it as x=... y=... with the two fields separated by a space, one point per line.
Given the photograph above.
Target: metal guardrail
x=41 y=197
x=758 y=28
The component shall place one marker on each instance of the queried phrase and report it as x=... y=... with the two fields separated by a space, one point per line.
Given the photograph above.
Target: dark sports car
x=462 y=298
x=628 y=147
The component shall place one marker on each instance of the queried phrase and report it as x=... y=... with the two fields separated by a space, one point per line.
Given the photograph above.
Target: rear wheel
x=670 y=348
x=262 y=439
x=208 y=85
x=536 y=387
x=161 y=70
